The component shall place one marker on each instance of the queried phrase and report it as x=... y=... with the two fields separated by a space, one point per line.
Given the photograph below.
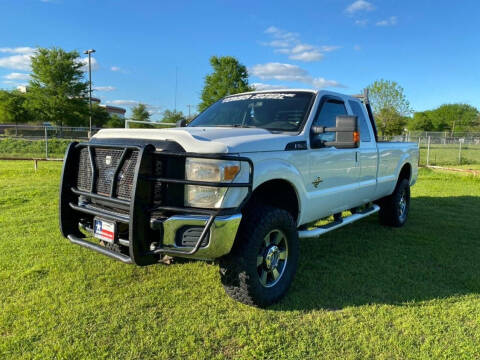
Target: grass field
x=364 y=291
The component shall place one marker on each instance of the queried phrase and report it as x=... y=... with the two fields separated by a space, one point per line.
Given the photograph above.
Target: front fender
x=278 y=169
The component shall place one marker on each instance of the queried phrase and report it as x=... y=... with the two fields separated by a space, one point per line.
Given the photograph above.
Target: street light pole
x=89 y=52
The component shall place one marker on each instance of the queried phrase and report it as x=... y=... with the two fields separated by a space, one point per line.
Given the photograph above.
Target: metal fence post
x=428 y=151
x=46 y=143
x=460 y=153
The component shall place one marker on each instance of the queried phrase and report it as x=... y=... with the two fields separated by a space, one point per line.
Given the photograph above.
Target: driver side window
x=326 y=117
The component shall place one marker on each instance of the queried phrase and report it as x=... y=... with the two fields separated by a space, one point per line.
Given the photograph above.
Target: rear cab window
x=362 y=121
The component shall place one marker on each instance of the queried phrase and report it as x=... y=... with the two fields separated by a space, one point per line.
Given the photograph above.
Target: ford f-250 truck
x=240 y=184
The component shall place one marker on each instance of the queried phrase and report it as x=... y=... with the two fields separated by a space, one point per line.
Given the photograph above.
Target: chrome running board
x=335 y=225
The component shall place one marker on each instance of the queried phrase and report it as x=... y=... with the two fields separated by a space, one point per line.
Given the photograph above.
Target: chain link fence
x=39 y=141
x=444 y=148
x=42 y=132
x=436 y=148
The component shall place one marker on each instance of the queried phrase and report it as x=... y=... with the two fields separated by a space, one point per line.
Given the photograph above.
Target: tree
x=140 y=113
x=228 y=77
x=422 y=121
x=115 y=121
x=56 y=92
x=455 y=117
x=388 y=103
x=100 y=116
x=12 y=109
x=447 y=117
x=395 y=124
x=170 y=116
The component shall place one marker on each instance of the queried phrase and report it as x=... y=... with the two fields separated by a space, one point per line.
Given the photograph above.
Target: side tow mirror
x=182 y=123
x=346 y=132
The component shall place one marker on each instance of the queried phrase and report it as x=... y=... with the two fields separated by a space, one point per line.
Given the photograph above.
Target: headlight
x=209 y=170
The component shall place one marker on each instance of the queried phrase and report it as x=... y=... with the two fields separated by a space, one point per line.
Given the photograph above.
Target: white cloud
x=272 y=30
x=17 y=76
x=16 y=62
x=307 y=56
x=278 y=71
x=115 y=68
x=362 y=22
x=321 y=83
x=123 y=102
x=359 y=5
x=104 y=88
x=21 y=59
x=277 y=43
x=281 y=34
x=154 y=109
x=94 y=62
x=301 y=48
x=391 y=21
x=289 y=72
x=329 y=48
x=18 y=50
x=357 y=47
x=289 y=43
x=262 y=86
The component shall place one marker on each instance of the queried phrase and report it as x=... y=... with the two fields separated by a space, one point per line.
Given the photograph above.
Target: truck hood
x=207 y=139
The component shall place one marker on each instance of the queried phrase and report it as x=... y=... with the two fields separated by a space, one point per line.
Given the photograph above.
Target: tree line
x=57 y=93
x=394 y=115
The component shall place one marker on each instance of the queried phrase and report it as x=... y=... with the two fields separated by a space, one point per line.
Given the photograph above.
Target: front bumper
x=149 y=229
x=218 y=241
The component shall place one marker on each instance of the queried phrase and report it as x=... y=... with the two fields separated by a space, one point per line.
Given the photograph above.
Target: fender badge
x=317 y=181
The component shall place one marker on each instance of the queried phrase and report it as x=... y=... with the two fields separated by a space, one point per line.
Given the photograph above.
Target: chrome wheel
x=272 y=258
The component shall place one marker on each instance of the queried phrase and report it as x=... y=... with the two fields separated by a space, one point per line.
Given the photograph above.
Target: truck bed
x=391 y=156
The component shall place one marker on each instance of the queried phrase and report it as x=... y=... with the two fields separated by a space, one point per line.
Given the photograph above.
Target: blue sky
x=430 y=47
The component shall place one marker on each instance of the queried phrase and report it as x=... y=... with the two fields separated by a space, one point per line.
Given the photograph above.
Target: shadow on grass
x=435 y=255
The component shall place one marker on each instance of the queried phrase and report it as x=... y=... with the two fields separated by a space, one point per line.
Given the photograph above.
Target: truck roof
x=295 y=90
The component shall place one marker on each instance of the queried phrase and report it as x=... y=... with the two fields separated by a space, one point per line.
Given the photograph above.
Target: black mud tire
x=394 y=208
x=239 y=272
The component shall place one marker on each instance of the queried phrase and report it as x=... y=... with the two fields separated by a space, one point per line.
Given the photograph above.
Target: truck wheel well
x=405 y=173
x=277 y=193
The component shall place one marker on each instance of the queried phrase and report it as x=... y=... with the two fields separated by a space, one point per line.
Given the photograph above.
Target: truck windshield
x=275 y=111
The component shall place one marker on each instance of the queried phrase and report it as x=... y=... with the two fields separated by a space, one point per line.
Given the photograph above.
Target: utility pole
x=176 y=85
x=189 y=107
x=89 y=52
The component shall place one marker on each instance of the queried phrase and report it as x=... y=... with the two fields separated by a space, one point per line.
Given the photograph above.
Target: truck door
x=367 y=154
x=333 y=173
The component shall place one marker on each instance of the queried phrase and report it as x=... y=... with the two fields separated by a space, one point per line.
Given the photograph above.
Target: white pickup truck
x=240 y=184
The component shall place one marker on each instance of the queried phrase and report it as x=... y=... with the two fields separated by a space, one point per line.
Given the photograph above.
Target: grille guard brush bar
x=140 y=206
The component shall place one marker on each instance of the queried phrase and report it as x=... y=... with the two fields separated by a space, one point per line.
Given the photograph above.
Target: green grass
x=363 y=291
x=443 y=155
